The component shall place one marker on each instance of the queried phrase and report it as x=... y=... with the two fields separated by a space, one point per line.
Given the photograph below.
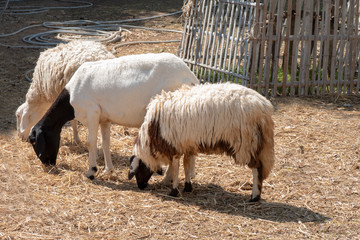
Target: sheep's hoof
x=91 y=172
x=108 y=171
x=174 y=192
x=188 y=187
x=255 y=199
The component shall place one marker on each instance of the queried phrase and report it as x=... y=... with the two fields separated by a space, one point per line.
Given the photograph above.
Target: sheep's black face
x=45 y=144
x=140 y=171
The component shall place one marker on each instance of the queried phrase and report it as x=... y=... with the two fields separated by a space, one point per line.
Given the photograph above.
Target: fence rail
x=278 y=47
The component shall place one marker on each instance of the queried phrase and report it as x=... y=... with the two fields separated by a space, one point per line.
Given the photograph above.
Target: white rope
x=6 y=4
x=103 y=31
x=21 y=10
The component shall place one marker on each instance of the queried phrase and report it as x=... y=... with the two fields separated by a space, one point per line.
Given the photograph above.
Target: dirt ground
x=313 y=191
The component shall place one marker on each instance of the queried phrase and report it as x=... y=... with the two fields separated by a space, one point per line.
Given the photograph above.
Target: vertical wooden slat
x=255 y=43
x=301 y=79
x=206 y=38
x=276 y=58
x=212 y=38
x=226 y=39
x=229 y=43
x=243 y=50
x=262 y=44
x=186 y=35
x=321 y=56
x=327 y=9
x=315 y=46
x=220 y=36
x=269 y=35
x=295 y=50
x=340 y=84
x=357 y=35
x=197 y=40
x=308 y=32
x=356 y=41
x=302 y=42
x=247 y=46
x=335 y=33
x=354 y=22
x=286 y=47
x=347 y=51
x=192 y=33
x=236 y=36
x=216 y=37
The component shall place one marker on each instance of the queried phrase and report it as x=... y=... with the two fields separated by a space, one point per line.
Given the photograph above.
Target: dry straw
x=313 y=191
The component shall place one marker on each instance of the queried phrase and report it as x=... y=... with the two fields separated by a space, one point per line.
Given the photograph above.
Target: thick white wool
x=52 y=72
x=207 y=114
x=57 y=65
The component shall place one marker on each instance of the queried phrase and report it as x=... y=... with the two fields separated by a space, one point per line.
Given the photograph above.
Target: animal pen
x=278 y=47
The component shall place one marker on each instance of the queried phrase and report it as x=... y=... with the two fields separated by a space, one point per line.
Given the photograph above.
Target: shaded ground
x=313 y=191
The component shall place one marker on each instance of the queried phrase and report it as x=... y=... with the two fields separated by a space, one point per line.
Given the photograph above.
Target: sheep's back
x=123 y=87
x=207 y=114
x=56 y=66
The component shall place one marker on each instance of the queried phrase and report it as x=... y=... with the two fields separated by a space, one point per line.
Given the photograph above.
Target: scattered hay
x=313 y=191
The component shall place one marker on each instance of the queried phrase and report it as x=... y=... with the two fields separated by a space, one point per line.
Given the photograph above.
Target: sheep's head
x=45 y=144
x=141 y=172
x=27 y=115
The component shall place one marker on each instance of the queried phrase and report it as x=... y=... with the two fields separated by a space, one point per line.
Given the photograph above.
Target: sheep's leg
x=75 y=131
x=93 y=125
x=175 y=173
x=105 y=144
x=192 y=166
x=257 y=184
x=168 y=176
x=188 y=163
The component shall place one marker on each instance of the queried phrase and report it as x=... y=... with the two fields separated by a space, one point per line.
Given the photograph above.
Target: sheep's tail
x=266 y=155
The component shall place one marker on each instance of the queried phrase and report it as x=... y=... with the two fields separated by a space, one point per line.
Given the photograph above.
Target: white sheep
x=104 y=92
x=211 y=118
x=52 y=72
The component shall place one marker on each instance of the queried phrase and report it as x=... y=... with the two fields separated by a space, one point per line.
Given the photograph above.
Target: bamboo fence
x=278 y=47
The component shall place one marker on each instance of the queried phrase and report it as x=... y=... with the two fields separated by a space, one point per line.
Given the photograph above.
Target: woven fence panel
x=278 y=47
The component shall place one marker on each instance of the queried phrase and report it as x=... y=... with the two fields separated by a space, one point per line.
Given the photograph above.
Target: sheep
x=212 y=119
x=105 y=92
x=53 y=70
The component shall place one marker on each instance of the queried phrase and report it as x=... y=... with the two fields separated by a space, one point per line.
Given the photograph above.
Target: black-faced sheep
x=218 y=118
x=104 y=92
x=52 y=72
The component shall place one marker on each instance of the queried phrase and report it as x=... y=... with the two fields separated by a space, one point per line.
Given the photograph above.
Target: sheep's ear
x=32 y=138
x=37 y=139
x=134 y=166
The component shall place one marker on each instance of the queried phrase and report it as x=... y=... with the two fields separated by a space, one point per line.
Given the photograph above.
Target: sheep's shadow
x=119 y=161
x=214 y=198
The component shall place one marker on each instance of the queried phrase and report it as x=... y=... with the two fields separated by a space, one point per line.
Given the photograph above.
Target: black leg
x=188 y=187
x=174 y=192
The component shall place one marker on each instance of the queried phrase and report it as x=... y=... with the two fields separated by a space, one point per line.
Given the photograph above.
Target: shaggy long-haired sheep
x=211 y=118
x=52 y=72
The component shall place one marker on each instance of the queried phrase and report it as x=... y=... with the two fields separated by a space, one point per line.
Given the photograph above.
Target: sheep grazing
x=212 y=119
x=104 y=92
x=52 y=72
